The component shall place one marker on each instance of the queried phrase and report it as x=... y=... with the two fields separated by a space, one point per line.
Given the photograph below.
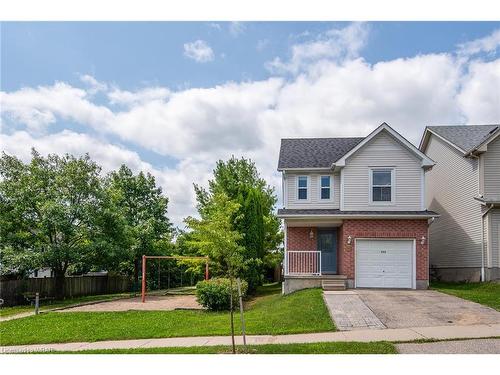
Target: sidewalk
x=396 y=334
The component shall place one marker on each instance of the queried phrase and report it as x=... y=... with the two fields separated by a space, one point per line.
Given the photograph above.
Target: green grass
x=380 y=347
x=484 y=293
x=44 y=306
x=268 y=313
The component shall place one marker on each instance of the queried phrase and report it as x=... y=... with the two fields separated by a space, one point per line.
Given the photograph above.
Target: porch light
x=311 y=234
x=422 y=240
x=349 y=240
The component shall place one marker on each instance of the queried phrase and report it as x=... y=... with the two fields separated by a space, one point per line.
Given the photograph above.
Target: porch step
x=333 y=284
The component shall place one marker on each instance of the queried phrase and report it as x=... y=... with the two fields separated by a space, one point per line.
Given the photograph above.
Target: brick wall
x=383 y=229
x=298 y=239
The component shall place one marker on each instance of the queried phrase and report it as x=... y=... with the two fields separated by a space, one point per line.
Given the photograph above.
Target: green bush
x=214 y=294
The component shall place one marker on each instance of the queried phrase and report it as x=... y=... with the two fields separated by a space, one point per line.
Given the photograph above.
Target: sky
x=172 y=98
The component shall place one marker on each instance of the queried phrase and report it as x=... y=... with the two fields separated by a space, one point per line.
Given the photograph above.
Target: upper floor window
x=325 y=187
x=302 y=187
x=381 y=185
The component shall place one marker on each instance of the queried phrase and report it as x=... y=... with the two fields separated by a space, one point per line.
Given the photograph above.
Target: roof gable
x=426 y=161
x=465 y=138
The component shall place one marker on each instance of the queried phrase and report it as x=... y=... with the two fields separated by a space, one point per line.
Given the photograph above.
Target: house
x=354 y=212
x=464 y=187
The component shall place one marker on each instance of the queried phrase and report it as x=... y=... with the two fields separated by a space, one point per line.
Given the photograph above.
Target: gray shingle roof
x=466 y=137
x=314 y=152
x=326 y=211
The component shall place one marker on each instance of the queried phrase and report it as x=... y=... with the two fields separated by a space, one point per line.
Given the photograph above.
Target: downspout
x=429 y=223
x=470 y=154
x=483 y=276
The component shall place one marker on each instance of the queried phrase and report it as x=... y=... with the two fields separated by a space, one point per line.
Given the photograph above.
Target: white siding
x=494 y=237
x=455 y=237
x=313 y=191
x=383 y=151
x=491 y=167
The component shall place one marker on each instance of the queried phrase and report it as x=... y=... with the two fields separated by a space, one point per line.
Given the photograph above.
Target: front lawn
x=380 y=347
x=269 y=313
x=484 y=293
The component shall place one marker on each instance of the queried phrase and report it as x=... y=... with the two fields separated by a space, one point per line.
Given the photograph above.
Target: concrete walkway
x=395 y=334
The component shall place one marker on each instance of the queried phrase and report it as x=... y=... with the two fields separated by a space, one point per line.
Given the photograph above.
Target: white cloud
x=335 y=44
x=199 y=51
x=488 y=44
x=94 y=85
x=236 y=28
x=128 y=98
x=332 y=94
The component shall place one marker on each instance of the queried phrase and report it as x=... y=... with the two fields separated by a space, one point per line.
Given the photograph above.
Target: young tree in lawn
x=54 y=213
x=145 y=211
x=213 y=235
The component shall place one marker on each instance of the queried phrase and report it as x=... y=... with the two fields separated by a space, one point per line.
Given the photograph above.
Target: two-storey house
x=464 y=187
x=355 y=212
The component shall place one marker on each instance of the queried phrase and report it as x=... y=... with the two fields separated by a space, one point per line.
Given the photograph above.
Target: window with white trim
x=302 y=187
x=325 y=187
x=381 y=189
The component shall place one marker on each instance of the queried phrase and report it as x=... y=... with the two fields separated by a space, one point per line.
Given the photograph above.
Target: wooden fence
x=13 y=291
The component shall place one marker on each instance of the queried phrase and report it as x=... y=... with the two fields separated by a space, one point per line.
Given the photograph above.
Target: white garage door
x=384 y=263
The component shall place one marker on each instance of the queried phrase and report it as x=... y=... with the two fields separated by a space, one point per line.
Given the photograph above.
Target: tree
x=145 y=211
x=54 y=213
x=213 y=235
x=251 y=226
x=258 y=224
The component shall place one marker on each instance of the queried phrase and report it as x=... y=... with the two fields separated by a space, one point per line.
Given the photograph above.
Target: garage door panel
x=384 y=263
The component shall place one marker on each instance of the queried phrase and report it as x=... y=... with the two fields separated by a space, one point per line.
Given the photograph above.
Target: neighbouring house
x=464 y=187
x=354 y=212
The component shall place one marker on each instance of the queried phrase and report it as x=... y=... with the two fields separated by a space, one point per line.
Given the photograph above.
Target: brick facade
x=298 y=238
x=412 y=229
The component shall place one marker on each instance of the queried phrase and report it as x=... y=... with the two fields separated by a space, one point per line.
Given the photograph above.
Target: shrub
x=214 y=294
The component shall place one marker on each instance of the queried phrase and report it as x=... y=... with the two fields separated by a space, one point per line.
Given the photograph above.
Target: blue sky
x=137 y=54
x=173 y=97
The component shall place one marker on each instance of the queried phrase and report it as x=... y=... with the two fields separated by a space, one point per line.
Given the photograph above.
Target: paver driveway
x=416 y=308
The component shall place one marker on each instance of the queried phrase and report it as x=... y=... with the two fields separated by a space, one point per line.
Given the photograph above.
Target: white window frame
x=393 y=186
x=308 y=190
x=330 y=187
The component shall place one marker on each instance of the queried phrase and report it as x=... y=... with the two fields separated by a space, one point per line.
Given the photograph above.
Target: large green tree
x=255 y=220
x=144 y=208
x=54 y=213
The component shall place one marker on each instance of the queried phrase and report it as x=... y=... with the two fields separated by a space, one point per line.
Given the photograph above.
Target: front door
x=327 y=244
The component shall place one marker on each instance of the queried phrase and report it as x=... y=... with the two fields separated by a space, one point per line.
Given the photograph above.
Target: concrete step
x=338 y=284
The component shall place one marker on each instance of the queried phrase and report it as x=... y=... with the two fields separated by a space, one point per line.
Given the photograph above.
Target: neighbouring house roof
x=288 y=212
x=314 y=152
x=326 y=153
x=464 y=137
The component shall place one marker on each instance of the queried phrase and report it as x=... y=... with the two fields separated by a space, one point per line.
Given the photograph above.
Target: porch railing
x=302 y=263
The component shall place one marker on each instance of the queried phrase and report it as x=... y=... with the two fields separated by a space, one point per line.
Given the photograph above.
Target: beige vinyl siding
x=491 y=169
x=494 y=237
x=455 y=237
x=313 y=192
x=383 y=151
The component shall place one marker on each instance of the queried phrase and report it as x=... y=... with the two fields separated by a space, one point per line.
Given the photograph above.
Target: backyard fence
x=14 y=292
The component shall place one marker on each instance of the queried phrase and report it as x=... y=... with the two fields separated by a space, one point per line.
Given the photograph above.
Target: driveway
x=357 y=309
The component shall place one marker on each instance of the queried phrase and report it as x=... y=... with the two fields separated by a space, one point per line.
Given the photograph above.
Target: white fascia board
x=363 y=216
x=426 y=161
x=315 y=169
